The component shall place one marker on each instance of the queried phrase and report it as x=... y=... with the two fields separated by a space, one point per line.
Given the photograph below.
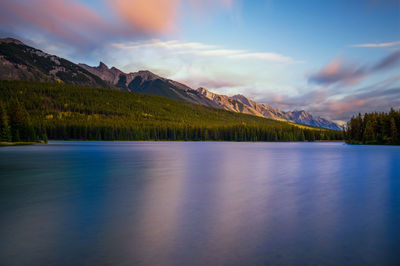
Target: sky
x=333 y=58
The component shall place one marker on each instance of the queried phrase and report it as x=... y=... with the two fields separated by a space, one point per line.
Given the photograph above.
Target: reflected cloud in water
x=180 y=203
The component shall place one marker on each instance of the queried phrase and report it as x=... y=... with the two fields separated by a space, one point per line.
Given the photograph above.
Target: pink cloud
x=380 y=97
x=349 y=74
x=337 y=72
x=337 y=108
x=152 y=16
x=329 y=102
x=332 y=68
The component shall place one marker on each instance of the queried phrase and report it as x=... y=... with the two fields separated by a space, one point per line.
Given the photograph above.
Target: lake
x=199 y=203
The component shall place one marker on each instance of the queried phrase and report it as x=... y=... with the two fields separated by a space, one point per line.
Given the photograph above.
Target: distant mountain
x=21 y=62
x=251 y=107
x=227 y=103
x=300 y=117
x=150 y=83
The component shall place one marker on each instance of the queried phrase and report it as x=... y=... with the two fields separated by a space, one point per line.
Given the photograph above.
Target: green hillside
x=157 y=87
x=60 y=111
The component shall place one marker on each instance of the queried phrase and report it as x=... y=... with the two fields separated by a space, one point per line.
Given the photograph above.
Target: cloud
x=387 y=62
x=213 y=80
x=69 y=20
x=83 y=25
x=204 y=50
x=172 y=44
x=377 y=45
x=151 y=16
x=341 y=104
x=336 y=72
x=206 y=65
x=378 y=100
x=264 y=56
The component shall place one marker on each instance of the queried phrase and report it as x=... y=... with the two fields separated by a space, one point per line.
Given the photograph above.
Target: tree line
x=16 y=126
x=32 y=111
x=374 y=128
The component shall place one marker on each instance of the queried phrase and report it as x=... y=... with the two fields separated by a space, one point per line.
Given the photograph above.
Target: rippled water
x=188 y=203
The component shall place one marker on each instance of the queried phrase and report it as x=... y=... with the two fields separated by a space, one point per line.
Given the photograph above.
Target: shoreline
x=21 y=143
x=199 y=141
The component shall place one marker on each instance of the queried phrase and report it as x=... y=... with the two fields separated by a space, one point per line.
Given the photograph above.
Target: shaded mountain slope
x=21 y=62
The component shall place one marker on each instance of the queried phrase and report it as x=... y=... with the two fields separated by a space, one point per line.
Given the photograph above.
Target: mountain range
x=21 y=62
x=150 y=83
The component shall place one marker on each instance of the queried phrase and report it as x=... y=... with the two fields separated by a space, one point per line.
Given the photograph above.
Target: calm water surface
x=188 y=203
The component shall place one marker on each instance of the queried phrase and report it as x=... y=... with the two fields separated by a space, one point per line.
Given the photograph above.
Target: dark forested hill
x=21 y=62
x=374 y=128
x=58 y=111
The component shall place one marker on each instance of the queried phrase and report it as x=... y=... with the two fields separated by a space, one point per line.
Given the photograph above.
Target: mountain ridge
x=19 y=61
x=144 y=81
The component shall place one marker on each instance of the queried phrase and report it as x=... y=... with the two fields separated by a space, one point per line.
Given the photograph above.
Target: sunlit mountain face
x=332 y=59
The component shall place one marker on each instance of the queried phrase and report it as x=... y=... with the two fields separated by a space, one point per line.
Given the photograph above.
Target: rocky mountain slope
x=147 y=82
x=300 y=117
x=150 y=83
x=21 y=62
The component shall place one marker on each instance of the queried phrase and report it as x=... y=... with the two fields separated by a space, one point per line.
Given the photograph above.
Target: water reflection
x=125 y=203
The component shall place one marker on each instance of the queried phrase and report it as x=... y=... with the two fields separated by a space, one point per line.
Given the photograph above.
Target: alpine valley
x=19 y=61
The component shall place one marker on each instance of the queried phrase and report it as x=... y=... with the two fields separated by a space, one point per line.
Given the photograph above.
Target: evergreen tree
x=21 y=129
x=369 y=134
x=61 y=111
x=393 y=131
x=376 y=128
x=5 y=131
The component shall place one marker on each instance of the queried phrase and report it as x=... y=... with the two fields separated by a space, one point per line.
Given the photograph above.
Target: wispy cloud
x=172 y=44
x=380 y=99
x=341 y=104
x=264 y=56
x=377 y=45
x=388 y=62
x=200 y=49
x=219 y=68
x=337 y=72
